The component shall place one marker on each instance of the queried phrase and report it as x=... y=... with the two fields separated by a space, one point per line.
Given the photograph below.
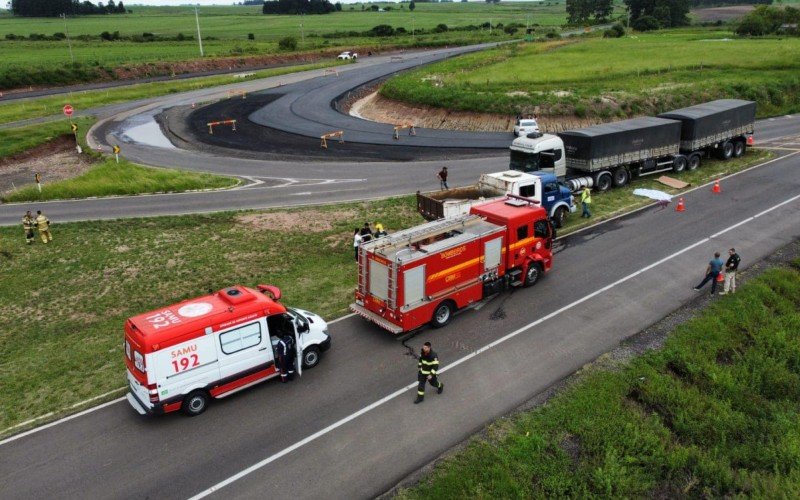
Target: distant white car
x=525 y=126
x=347 y=55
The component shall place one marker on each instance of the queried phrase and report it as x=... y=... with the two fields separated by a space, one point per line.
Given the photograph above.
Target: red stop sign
x=68 y=110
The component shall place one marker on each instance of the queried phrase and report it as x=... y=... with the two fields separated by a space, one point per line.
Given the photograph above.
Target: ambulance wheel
x=533 y=274
x=195 y=403
x=443 y=314
x=694 y=162
x=738 y=148
x=311 y=357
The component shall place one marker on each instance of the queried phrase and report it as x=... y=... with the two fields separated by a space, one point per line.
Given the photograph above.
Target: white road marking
x=466 y=358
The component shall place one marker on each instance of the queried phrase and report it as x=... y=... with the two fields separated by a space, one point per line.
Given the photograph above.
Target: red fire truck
x=426 y=273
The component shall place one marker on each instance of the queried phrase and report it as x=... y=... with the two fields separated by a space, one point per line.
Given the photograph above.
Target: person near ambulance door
x=731 y=267
x=712 y=271
x=586 y=200
x=442 y=175
x=43 y=224
x=28 y=224
x=356 y=241
x=428 y=367
x=285 y=356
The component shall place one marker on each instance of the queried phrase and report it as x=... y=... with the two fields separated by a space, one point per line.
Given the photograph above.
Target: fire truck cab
x=426 y=273
x=179 y=357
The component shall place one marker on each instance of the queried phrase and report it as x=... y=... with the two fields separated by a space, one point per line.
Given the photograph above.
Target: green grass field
x=42 y=62
x=180 y=257
x=714 y=414
x=604 y=78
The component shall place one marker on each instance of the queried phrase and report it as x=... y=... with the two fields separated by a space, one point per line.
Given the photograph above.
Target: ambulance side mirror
x=301 y=327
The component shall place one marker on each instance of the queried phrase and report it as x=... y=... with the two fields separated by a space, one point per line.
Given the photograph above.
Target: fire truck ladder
x=419 y=233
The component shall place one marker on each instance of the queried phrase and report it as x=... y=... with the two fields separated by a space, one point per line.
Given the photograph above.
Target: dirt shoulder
x=54 y=160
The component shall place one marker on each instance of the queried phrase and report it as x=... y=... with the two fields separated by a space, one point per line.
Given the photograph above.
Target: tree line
x=55 y=8
x=295 y=7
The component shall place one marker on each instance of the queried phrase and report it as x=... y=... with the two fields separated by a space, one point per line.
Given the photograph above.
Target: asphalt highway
x=349 y=426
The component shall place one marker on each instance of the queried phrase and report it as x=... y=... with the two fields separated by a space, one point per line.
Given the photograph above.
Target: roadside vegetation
x=12 y=111
x=649 y=73
x=712 y=414
x=104 y=177
x=136 y=265
x=138 y=44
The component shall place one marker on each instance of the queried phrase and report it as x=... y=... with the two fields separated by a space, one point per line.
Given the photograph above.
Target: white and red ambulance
x=181 y=356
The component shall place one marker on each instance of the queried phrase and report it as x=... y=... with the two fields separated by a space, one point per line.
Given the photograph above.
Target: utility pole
x=199 y=38
x=69 y=42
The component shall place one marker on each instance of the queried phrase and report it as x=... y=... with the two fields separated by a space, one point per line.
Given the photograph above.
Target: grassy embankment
x=105 y=177
x=226 y=29
x=12 y=111
x=603 y=78
x=713 y=414
x=107 y=271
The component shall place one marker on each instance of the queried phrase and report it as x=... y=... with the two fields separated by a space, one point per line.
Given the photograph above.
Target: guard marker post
x=330 y=135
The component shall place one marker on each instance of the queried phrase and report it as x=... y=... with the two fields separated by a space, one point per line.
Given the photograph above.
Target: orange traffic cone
x=750 y=140
x=720 y=278
x=716 y=189
x=681 y=207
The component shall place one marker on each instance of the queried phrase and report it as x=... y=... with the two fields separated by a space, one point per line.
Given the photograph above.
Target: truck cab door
x=299 y=329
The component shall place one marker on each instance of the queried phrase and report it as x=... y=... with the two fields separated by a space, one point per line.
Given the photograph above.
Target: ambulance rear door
x=186 y=366
x=244 y=348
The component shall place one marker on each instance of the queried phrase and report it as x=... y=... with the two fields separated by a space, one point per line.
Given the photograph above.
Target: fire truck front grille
x=371 y=316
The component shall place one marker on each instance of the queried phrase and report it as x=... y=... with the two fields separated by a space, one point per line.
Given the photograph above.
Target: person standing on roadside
x=428 y=367
x=712 y=271
x=586 y=200
x=356 y=241
x=442 y=175
x=28 y=224
x=731 y=267
x=43 y=224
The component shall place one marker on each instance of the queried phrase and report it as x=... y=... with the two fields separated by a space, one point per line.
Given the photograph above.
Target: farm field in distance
x=649 y=73
x=225 y=33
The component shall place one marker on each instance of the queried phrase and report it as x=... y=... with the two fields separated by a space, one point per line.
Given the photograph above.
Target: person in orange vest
x=28 y=224
x=43 y=224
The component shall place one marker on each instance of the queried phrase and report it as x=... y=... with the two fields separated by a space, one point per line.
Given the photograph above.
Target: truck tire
x=533 y=274
x=738 y=148
x=443 y=314
x=311 y=357
x=725 y=150
x=603 y=181
x=621 y=177
x=679 y=164
x=560 y=217
x=694 y=162
x=195 y=403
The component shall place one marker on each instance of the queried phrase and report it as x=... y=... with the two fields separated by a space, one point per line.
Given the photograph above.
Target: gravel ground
x=56 y=160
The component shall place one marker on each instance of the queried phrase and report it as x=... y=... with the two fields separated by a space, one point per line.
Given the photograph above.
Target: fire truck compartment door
x=414 y=290
x=378 y=280
x=492 y=253
x=241 y=348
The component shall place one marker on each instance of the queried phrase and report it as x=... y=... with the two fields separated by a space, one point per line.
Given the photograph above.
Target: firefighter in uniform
x=428 y=367
x=286 y=357
x=28 y=224
x=43 y=224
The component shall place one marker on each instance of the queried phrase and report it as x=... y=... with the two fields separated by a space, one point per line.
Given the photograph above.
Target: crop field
x=713 y=414
x=226 y=32
x=603 y=77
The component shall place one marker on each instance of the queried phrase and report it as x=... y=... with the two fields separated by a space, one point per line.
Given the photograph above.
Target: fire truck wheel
x=533 y=274
x=195 y=403
x=443 y=314
x=311 y=357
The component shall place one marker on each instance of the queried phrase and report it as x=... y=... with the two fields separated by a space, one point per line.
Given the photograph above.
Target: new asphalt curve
x=348 y=428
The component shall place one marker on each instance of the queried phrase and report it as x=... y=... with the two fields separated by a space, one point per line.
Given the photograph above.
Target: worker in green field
x=586 y=200
x=28 y=225
x=428 y=367
x=43 y=224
